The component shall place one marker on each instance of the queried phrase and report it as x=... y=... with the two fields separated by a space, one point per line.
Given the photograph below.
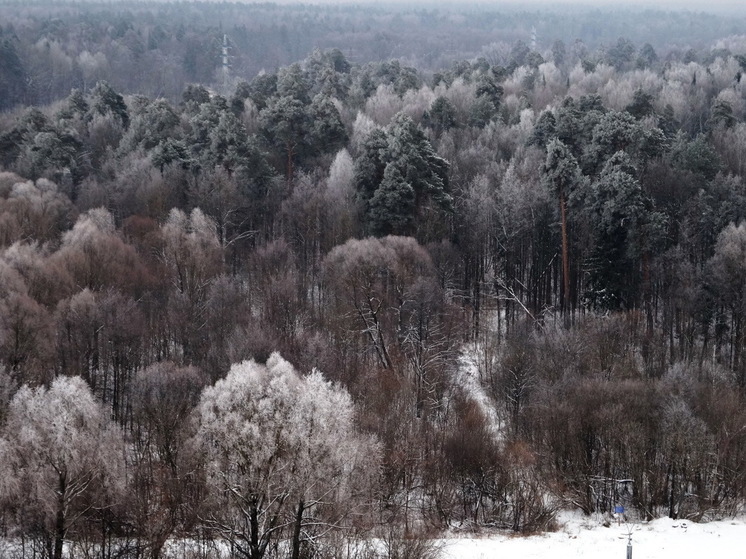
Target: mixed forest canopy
x=364 y=292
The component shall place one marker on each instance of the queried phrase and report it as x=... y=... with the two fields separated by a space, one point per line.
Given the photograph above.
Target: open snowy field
x=581 y=537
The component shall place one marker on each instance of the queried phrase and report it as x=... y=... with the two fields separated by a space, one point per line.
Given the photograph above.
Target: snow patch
x=468 y=379
x=586 y=537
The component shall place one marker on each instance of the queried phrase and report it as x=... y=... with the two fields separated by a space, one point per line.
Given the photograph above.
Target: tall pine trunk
x=566 y=303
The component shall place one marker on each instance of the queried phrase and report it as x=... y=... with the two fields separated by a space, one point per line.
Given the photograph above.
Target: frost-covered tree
x=340 y=197
x=191 y=251
x=282 y=452
x=64 y=455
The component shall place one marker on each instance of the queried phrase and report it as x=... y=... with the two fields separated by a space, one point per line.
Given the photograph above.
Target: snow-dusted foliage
x=63 y=455
x=339 y=185
x=282 y=452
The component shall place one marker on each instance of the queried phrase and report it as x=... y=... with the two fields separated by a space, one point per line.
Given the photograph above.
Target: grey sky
x=697 y=5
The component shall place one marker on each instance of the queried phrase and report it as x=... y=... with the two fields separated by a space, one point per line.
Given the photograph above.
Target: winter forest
x=306 y=281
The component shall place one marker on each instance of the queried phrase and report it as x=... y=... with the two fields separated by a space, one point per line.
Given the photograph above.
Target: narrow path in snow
x=468 y=379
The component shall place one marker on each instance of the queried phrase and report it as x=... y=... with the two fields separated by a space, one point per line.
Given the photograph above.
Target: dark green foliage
x=338 y=61
x=402 y=78
x=104 y=100
x=621 y=54
x=722 y=114
x=576 y=120
x=614 y=132
x=405 y=153
x=263 y=87
x=195 y=95
x=76 y=107
x=489 y=89
x=696 y=156
x=419 y=164
x=545 y=130
x=441 y=116
x=641 y=105
x=241 y=93
x=534 y=60
x=667 y=122
x=482 y=112
x=647 y=56
x=559 y=53
x=292 y=83
x=297 y=126
x=391 y=209
x=328 y=72
x=170 y=151
x=708 y=212
x=13 y=78
x=618 y=131
x=627 y=228
x=560 y=170
x=286 y=123
x=327 y=133
x=157 y=122
x=370 y=166
x=519 y=53
x=31 y=123
x=50 y=154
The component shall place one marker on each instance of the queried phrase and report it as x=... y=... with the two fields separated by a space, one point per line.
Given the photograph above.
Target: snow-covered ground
x=580 y=537
x=467 y=377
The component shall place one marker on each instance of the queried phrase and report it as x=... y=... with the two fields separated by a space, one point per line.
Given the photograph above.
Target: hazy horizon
x=696 y=5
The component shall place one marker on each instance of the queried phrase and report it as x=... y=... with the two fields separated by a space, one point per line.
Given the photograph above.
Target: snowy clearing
x=580 y=537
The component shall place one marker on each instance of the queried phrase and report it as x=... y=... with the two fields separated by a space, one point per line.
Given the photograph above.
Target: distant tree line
x=48 y=47
x=345 y=298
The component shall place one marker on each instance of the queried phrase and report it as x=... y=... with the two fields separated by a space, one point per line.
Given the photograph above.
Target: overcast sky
x=699 y=5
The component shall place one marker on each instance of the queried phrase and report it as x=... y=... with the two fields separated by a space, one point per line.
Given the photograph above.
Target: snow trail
x=468 y=379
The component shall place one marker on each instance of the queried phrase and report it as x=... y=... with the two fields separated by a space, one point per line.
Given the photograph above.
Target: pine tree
x=391 y=209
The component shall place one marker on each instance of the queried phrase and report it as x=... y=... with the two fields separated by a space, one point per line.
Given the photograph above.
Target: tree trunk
x=290 y=168
x=566 y=304
x=59 y=528
x=671 y=497
x=297 y=530
x=256 y=552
